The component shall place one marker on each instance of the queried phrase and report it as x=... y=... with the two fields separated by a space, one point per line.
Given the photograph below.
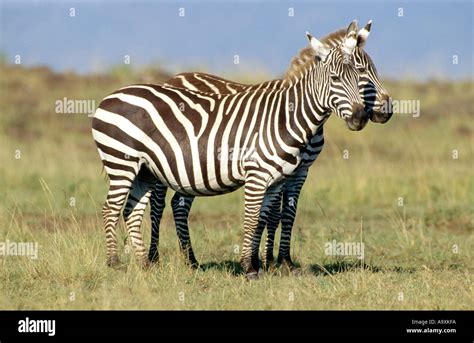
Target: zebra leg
x=116 y=196
x=157 y=204
x=181 y=205
x=291 y=195
x=273 y=221
x=257 y=196
x=134 y=211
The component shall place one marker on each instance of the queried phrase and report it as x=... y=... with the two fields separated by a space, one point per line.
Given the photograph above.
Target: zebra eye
x=335 y=78
x=361 y=69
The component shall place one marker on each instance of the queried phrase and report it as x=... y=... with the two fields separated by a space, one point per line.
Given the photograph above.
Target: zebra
x=144 y=136
x=374 y=95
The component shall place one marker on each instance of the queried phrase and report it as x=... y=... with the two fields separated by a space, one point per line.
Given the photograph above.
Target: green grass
x=409 y=259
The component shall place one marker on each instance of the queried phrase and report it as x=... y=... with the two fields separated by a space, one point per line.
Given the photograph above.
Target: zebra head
x=376 y=99
x=339 y=77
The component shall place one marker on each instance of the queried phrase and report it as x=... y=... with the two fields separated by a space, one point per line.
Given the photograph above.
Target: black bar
x=83 y=324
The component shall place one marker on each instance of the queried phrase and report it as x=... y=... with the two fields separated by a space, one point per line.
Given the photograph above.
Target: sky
x=419 y=40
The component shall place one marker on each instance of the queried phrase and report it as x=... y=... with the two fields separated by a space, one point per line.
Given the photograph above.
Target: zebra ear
x=350 y=41
x=320 y=50
x=363 y=34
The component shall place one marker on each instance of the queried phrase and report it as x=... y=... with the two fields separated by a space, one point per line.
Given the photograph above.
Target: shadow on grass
x=232 y=267
x=348 y=266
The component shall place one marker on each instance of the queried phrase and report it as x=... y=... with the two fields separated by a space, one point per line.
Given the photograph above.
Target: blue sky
x=420 y=44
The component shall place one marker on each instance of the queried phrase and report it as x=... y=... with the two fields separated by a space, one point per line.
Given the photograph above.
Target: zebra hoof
x=113 y=262
x=288 y=268
x=252 y=276
x=270 y=266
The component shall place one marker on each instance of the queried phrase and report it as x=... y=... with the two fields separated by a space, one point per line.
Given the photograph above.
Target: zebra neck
x=302 y=113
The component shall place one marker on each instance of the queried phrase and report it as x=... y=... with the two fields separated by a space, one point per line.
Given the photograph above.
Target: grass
x=417 y=256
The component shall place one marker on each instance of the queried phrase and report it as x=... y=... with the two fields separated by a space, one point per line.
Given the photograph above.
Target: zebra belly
x=198 y=172
x=202 y=190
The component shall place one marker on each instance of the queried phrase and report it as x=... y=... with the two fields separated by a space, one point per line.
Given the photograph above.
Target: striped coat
x=146 y=133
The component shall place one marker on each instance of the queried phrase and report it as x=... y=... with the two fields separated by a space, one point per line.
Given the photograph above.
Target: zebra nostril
x=383 y=112
x=359 y=117
x=358 y=111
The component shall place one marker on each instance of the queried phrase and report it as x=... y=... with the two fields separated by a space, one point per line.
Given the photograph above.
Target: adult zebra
x=374 y=96
x=144 y=134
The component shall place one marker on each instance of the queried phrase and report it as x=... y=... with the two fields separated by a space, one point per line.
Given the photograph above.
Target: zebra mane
x=301 y=62
x=335 y=38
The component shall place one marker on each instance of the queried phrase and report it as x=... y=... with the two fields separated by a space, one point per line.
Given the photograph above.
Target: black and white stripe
x=148 y=133
x=373 y=95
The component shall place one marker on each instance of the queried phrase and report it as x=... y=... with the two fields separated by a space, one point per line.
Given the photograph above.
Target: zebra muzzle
x=384 y=112
x=359 y=118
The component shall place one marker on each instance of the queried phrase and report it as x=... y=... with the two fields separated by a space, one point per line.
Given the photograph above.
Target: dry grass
x=409 y=257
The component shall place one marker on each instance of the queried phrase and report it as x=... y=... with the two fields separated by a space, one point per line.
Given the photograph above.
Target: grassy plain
x=417 y=256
